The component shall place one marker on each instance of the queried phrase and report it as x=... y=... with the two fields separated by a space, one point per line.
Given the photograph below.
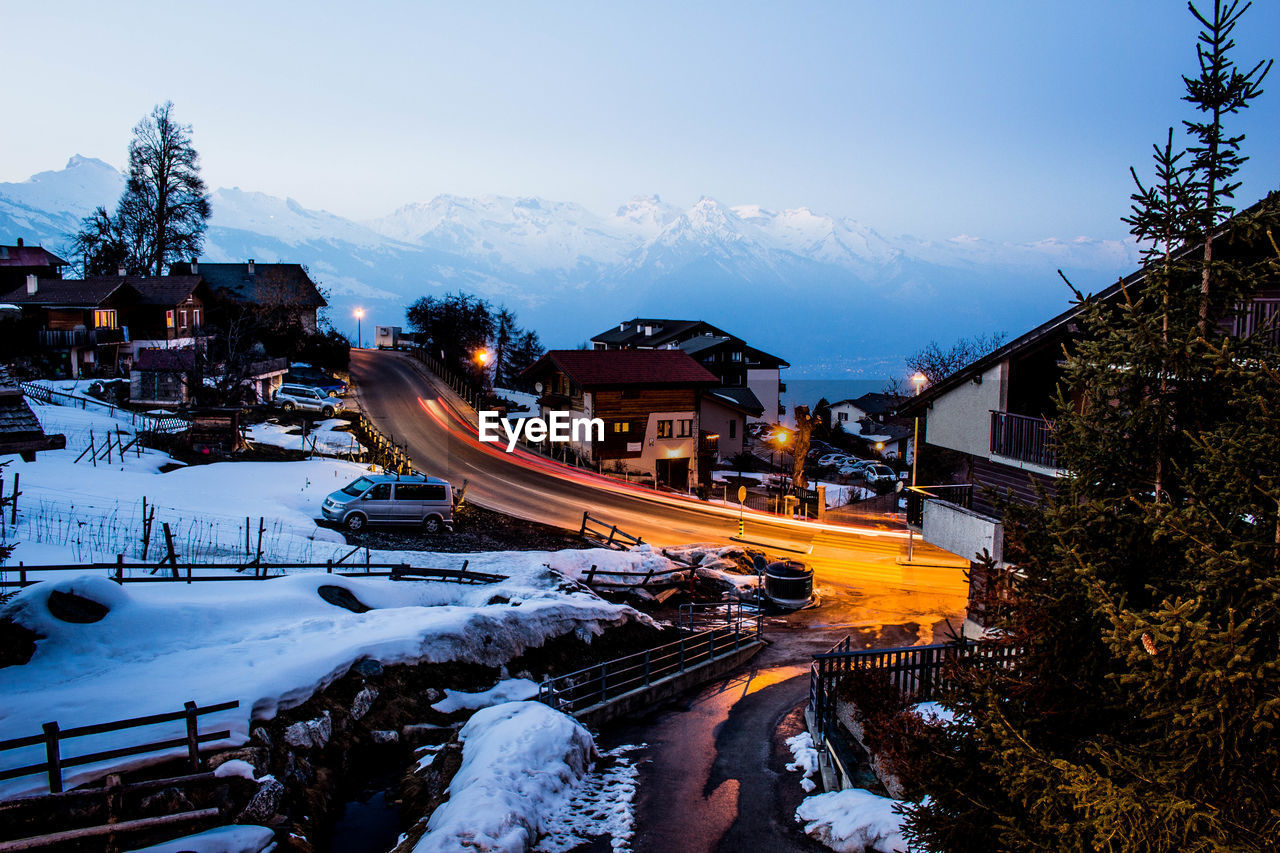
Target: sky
x=1007 y=120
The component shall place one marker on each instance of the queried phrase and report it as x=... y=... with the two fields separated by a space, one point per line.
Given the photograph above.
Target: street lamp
x=918 y=380
x=359 y=330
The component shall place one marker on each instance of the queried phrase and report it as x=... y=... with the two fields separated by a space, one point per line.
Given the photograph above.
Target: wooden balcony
x=1023 y=438
x=56 y=338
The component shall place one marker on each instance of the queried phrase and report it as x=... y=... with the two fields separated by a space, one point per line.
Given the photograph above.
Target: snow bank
x=268 y=644
x=853 y=821
x=806 y=759
x=324 y=437
x=520 y=761
x=601 y=805
x=510 y=690
x=613 y=566
x=224 y=839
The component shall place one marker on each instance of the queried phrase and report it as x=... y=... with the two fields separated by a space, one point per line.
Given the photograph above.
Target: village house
x=750 y=378
x=993 y=417
x=286 y=289
x=19 y=261
x=648 y=401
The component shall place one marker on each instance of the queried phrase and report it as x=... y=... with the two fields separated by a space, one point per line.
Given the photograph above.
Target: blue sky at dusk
x=1009 y=120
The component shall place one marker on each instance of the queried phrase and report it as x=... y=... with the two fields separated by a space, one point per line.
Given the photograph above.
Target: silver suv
x=425 y=502
x=309 y=399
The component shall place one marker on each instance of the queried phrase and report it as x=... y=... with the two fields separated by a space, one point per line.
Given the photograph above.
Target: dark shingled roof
x=165 y=360
x=164 y=290
x=629 y=337
x=597 y=368
x=268 y=284
x=875 y=403
x=740 y=398
x=66 y=292
x=29 y=256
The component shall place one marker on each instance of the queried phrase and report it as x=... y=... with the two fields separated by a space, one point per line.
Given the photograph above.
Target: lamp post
x=359 y=330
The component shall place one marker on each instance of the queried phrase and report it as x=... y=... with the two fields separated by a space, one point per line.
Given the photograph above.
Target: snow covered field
x=323 y=437
x=268 y=644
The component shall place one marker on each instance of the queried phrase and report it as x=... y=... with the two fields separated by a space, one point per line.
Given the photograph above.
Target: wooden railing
x=960 y=494
x=1024 y=438
x=82 y=337
x=53 y=737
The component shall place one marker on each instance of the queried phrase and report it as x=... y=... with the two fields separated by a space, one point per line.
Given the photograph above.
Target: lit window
x=686 y=428
x=621 y=426
x=182 y=318
x=195 y=317
x=168 y=319
x=104 y=318
x=664 y=429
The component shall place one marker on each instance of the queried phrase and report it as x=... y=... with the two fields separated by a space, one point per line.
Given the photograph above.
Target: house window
x=168 y=319
x=664 y=429
x=621 y=427
x=195 y=317
x=736 y=355
x=842 y=416
x=182 y=318
x=733 y=428
x=686 y=428
x=104 y=318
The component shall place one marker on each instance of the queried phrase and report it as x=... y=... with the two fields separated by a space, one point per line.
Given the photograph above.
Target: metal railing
x=959 y=494
x=1024 y=438
x=53 y=736
x=918 y=672
x=586 y=688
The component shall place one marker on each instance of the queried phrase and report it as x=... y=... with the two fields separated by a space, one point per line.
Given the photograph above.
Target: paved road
x=711 y=774
x=418 y=411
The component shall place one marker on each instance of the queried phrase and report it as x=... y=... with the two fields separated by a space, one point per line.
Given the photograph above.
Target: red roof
x=595 y=368
x=29 y=256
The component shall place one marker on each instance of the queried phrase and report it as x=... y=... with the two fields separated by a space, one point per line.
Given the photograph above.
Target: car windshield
x=357 y=488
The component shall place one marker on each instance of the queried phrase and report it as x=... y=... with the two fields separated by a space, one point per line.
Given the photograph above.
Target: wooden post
x=170 y=556
x=13 y=507
x=246 y=537
x=93 y=453
x=193 y=740
x=147 y=524
x=257 y=557
x=120 y=568
x=53 y=757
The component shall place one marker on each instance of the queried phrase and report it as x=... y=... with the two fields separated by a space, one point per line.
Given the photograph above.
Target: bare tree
x=162 y=213
x=937 y=363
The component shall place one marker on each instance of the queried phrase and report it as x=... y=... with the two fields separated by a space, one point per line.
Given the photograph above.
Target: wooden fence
x=52 y=738
x=185 y=572
x=920 y=673
x=144 y=422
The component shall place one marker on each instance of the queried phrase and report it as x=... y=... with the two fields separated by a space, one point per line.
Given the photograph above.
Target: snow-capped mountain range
x=830 y=294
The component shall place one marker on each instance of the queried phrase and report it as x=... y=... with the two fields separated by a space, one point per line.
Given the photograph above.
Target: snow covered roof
x=740 y=398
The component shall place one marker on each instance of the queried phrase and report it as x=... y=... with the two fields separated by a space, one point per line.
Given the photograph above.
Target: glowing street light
x=482 y=357
x=918 y=380
x=359 y=330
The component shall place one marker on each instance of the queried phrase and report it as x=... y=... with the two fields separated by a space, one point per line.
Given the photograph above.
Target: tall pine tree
x=1144 y=713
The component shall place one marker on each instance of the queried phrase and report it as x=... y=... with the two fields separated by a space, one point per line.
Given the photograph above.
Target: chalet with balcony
x=751 y=376
x=169 y=312
x=995 y=417
x=80 y=322
x=648 y=400
x=19 y=261
x=285 y=291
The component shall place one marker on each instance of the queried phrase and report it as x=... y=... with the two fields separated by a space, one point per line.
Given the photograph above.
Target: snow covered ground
x=527 y=782
x=853 y=821
x=324 y=437
x=529 y=401
x=268 y=644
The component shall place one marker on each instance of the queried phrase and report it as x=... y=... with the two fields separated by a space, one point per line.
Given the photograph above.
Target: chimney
x=33 y=284
x=195 y=266
x=19 y=242
x=120 y=271
x=251 y=266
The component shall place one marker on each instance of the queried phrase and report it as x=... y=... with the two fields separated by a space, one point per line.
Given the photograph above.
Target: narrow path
x=712 y=777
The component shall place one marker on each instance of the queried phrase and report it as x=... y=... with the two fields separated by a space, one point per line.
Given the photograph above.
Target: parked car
x=392 y=499
x=879 y=473
x=833 y=459
x=305 y=374
x=308 y=399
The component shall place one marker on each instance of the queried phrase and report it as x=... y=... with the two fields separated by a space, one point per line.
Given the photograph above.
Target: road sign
x=742 y=494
